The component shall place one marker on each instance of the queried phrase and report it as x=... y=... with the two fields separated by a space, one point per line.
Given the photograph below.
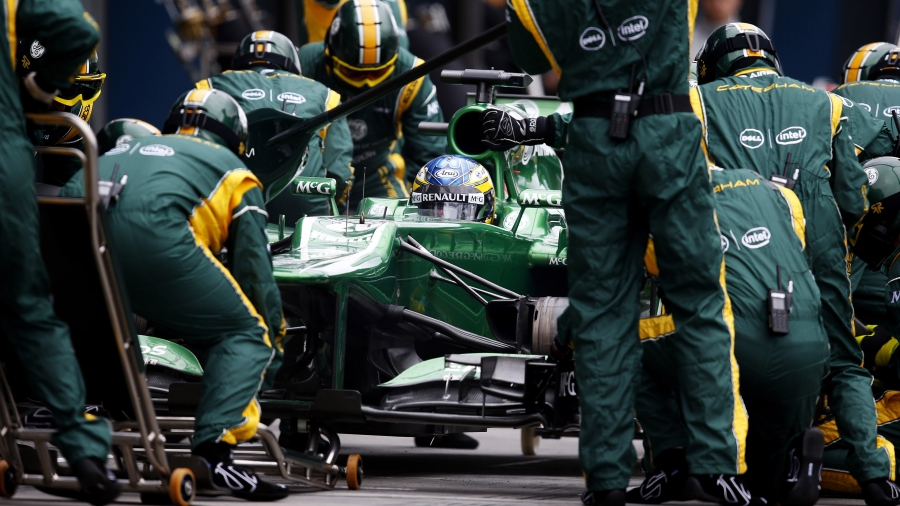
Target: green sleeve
x=250 y=262
x=338 y=157
x=561 y=129
x=419 y=149
x=871 y=136
x=848 y=180
x=525 y=50
x=67 y=32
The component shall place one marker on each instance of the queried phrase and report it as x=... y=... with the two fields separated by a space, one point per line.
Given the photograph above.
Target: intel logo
x=592 y=39
x=633 y=28
x=291 y=98
x=756 y=237
x=752 y=138
x=253 y=94
x=889 y=111
x=791 y=135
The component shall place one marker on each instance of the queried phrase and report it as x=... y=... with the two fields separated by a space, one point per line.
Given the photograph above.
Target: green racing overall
x=763 y=230
x=376 y=128
x=330 y=151
x=618 y=192
x=27 y=321
x=186 y=203
x=748 y=123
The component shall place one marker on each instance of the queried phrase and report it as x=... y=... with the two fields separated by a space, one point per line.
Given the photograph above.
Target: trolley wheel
x=354 y=471
x=530 y=441
x=182 y=486
x=7 y=480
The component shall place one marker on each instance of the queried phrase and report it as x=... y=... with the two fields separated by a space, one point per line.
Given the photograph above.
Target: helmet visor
x=450 y=210
x=361 y=77
x=85 y=91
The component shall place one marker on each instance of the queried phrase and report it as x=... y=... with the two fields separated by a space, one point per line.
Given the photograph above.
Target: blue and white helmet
x=454 y=187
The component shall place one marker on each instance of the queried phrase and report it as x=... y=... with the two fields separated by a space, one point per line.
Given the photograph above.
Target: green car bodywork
x=359 y=256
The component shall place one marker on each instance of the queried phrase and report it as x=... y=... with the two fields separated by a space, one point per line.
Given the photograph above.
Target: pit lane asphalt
x=398 y=473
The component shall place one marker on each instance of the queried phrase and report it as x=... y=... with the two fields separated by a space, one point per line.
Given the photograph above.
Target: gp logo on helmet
x=756 y=237
x=752 y=138
x=592 y=39
x=253 y=94
x=889 y=111
x=791 y=135
x=633 y=28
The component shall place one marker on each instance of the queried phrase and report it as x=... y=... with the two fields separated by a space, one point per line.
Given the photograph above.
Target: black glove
x=503 y=132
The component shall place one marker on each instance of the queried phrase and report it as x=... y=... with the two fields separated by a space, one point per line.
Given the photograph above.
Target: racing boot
x=666 y=484
x=881 y=492
x=241 y=481
x=728 y=489
x=604 y=497
x=98 y=484
x=805 y=469
x=453 y=441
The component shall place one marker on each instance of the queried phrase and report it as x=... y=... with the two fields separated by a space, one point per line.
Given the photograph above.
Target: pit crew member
x=796 y=135
x=360 y=51
x=123 y=131
x=187 y=199
x=318 y=14
x=782 y=366
x=625 y=179
x=872 y=81
x=69 y=35
x=77 y=98
x=266 y=73
x=875 y=242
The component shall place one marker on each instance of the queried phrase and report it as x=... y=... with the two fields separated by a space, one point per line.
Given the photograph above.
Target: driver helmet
x=454 y=187
x=874 y=240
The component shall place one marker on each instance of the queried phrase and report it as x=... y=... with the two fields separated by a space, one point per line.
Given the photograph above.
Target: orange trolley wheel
x=182 y=486
x=354 y=471
x=7 y=480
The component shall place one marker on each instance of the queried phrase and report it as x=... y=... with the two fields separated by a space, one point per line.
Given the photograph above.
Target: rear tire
x=354 y=472
x=7 y=480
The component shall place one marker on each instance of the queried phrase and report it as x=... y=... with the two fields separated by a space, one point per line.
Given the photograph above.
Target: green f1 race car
x=409 y=325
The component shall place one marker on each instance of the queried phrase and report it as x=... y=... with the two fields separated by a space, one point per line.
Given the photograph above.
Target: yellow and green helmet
x=362 y=43
x=212 y=115
x=875 y=238
x=873 y=61
x=266 y=48
x=123 y=131
x=733 y=47
x=77 y=99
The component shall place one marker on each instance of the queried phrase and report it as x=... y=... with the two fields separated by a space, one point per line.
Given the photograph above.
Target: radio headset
x=786 y=179
x=624 y=104
x=779 y=305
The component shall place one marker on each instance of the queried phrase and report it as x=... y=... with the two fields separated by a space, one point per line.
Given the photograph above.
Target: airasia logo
x=752 y=138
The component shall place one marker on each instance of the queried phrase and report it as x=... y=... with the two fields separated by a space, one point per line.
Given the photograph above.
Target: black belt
x=594 y=107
